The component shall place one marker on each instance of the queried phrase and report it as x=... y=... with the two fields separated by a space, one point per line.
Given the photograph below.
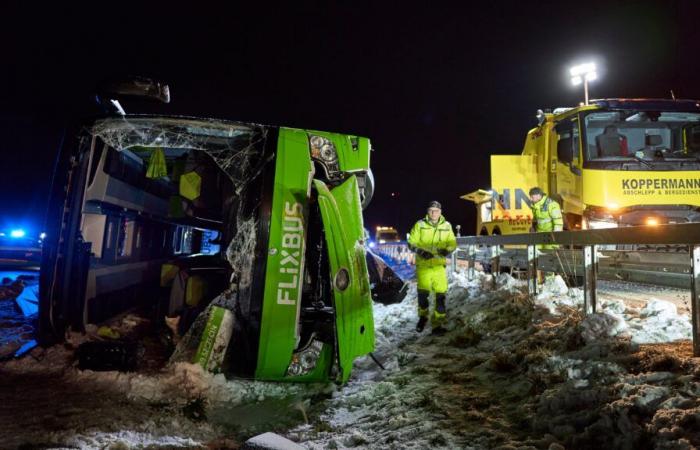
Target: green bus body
x=304 y=320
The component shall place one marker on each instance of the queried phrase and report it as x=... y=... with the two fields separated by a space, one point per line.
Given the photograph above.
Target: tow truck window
x=637 y=134
x=693 y=138
x=568 y=144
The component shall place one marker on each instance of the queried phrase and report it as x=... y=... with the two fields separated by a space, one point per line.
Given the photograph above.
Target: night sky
x=436 y=89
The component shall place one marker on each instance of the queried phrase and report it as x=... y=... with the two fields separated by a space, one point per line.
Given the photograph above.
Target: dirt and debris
x=512 y=371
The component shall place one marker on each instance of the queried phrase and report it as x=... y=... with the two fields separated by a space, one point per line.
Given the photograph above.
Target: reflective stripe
x=544 y=220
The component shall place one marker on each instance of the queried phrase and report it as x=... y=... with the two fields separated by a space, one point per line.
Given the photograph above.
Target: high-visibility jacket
x=431 y=238
x=547 y=215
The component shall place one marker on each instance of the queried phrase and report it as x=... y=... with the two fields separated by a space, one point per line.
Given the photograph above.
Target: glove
x=424 y=253
x=443 y=252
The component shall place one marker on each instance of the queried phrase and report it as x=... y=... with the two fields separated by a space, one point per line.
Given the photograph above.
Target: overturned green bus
x=178 y=214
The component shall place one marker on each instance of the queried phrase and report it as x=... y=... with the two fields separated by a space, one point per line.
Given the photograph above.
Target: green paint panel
x=285 y=260
x=342 y=219
x=353 y=151
x=211 y=330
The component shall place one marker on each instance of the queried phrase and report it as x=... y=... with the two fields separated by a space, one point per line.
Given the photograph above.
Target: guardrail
x=589 y=262
x=398 y=251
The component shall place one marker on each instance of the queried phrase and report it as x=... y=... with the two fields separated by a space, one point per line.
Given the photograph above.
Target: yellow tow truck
x=612 y=163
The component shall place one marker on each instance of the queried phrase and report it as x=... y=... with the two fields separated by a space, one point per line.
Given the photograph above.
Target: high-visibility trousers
x=432 y=279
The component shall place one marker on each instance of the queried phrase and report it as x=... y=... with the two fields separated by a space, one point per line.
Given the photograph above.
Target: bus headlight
x=304 y=361
x=323 y=151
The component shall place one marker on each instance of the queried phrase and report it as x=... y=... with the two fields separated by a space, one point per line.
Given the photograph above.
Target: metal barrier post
x=590 y=272
x=453 y=261
x=471 y=254
x=532 y=269
x=495 y=265
x=695 y=296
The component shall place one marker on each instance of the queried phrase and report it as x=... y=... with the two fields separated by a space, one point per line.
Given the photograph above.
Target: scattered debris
x=271 y=441
x=108 y=355
x=511 y=371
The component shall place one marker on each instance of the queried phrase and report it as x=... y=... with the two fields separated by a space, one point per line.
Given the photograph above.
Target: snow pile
x=514 y=372
x=128 y=440
x=659 y=321
x=555 y=293
x=603 y=325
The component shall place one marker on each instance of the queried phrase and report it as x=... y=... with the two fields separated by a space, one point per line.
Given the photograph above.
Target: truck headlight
x=593 y=224
x=651 y=221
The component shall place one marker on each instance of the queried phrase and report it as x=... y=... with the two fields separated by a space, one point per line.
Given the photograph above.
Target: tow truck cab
x=615 y=162
x=172 y=214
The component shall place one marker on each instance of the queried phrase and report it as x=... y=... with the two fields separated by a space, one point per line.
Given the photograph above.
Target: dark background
x=437 y=89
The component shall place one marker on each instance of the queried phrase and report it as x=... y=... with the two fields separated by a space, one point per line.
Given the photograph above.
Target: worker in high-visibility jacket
x=432 y=239
x=546 y=214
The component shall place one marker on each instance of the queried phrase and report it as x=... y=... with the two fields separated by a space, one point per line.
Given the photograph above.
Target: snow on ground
x=511 y=371
x=50 y=402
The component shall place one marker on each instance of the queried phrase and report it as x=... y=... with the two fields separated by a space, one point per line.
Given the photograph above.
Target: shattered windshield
x=647 y=135
x=232 y=146
x=237 y=149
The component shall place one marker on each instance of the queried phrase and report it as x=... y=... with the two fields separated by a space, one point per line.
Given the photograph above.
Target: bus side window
x=125 y=242
x=93 y=230
x=177 y=240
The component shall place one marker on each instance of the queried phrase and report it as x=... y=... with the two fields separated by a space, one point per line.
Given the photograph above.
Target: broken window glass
x=235 y=148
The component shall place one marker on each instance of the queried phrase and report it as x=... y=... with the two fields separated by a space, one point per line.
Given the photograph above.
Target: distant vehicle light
x=42 y=236
x=382 y=241
x=372 y=245
x=652 y=221
x=17 y=233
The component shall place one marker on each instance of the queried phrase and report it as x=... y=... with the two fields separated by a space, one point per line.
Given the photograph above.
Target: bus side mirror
x=135 y=87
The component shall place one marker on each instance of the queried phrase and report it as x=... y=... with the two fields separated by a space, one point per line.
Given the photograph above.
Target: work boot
x=420 y=326
x=439 y=331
